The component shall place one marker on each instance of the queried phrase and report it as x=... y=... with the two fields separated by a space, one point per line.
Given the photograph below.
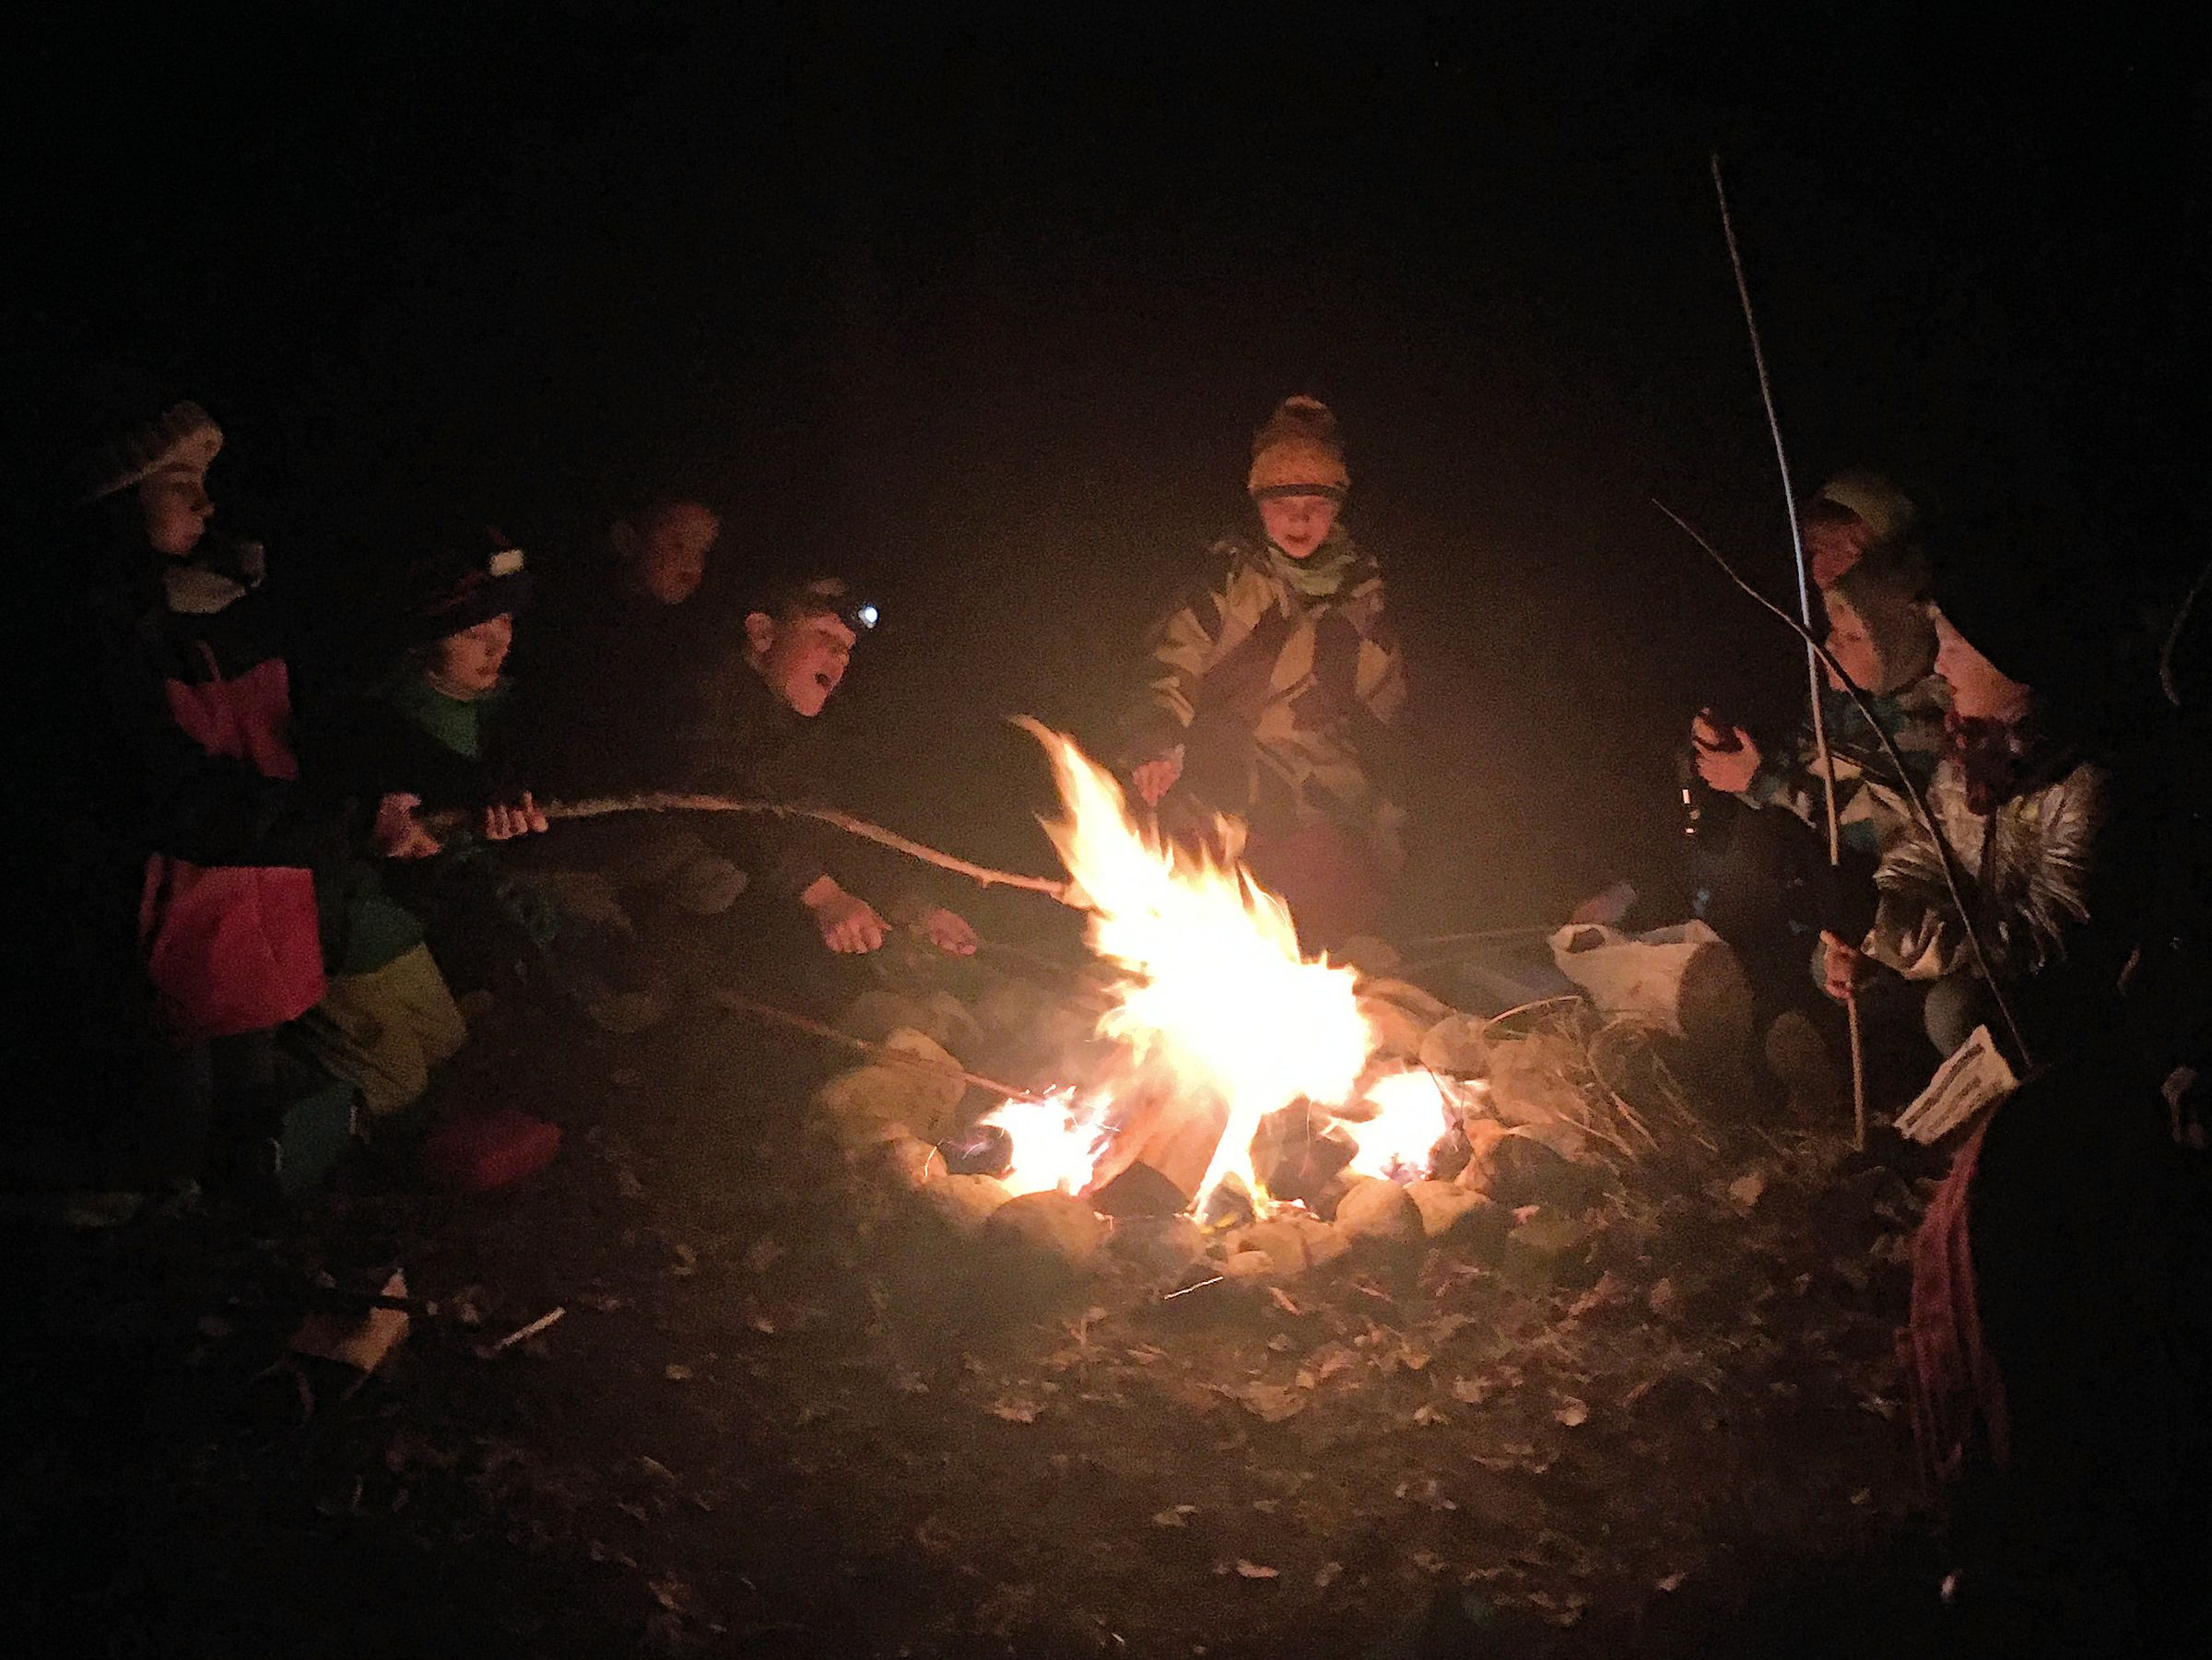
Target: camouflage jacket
x=1283 y=697
x=2024 y=868
x=1870 y=808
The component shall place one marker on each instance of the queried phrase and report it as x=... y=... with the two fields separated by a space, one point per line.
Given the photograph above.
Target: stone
x=1282 y=1240
x=1375 y=1210
x=1058 y=1224
x=1443 y=1205
x=966 y=1202
x=1456 y=1046
x=887 y=1099
x=1531 y=1084
x=1159 y=1244
x=1248 y=1265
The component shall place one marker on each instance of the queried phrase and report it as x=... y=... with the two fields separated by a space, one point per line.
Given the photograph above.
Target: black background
x=983 y=306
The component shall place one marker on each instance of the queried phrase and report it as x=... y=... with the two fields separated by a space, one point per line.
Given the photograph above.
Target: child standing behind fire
x=1272 y=696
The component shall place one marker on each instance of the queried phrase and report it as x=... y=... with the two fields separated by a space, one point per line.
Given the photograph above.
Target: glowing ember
x=1056 y=1142
x=1217 y=994
x=1411 y=1113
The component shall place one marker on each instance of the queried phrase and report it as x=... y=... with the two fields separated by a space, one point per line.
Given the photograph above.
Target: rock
x=1140 y=1191
x=1248 y=1265
x=916 y=1160
x=1455 y=1044
x=1282 y=1240
x=1059 y=1224
x=887 y=1099
x=1400 y=1014
x=1445 y=1204
x=1531 y=1084
x=966 y=1202
x=1484 y=1135
x=1376 y=1209
x=1159 y=1244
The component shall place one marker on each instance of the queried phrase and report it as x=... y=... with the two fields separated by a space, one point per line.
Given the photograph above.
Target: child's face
x=174 y=502
x=467 y=665
x=802 y=658
x=670 y=550
x=1852 y=646
x=1297 y=525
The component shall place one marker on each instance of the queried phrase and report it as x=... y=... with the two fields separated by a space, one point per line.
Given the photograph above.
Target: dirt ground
x=788 y=1411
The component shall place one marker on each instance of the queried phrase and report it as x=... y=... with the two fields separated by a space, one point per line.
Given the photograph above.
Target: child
x=204 y=788
x=1272 y=697
x=389 y=1017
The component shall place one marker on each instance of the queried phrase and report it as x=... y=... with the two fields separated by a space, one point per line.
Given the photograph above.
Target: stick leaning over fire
x=674 y=801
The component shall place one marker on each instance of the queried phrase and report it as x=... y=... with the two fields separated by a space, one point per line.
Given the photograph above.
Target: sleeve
x=1181 y=649
x=1917 y=929
x=1380 y=692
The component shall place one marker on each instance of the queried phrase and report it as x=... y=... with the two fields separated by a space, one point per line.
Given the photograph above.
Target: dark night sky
x=986 y=309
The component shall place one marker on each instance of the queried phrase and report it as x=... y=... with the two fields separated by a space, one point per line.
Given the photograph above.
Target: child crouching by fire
x=436 y=722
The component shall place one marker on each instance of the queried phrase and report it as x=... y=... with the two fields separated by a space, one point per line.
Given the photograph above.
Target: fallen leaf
x=1255 y=1571
x=686 y=1261
x=1428 y=1561
x=675 y=1372
x=1428 y=1415
x=1473 y=1391
x=1015 y=1411
x=1329 y=1573
x=1745 y=1189
x=1281 y=1299
x=1271 y=1402
x=1673 y=1582
x=1175 y=1516
x=1572 y=1412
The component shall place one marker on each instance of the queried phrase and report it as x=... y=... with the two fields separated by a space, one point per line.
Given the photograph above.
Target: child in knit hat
x=1274 y=698
x=197 y=796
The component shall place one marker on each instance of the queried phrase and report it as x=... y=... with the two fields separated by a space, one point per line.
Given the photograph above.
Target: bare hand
x=947 y=930
x=504 y=823
x=849 y=924
x=1843 y=968
x=1155 y=777
x=1727 y=760
x=398 y=833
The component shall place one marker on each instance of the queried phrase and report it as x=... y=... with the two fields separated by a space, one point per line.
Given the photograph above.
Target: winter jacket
x=752 y=746
x=1283 y=682
x=1870 y=806
x=227 y=907
x=2024 y=861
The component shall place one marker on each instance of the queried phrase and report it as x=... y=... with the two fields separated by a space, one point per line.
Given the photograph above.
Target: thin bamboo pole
x=1804 y=610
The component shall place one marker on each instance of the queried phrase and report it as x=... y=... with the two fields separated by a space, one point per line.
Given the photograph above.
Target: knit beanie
x=456 y=588
x=1297 y=453
x=120 y=425
x=1887 y=510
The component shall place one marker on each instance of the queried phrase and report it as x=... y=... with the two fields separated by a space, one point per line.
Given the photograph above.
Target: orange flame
x=1411 y=1113
x=1216 y=991
x=1056 y=1142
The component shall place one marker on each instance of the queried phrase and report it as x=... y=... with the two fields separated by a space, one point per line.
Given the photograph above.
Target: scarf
x=1324 y=574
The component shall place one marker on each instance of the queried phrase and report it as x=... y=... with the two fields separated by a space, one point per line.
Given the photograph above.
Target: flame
x=1412 y=1112
x=1216 y=990
x=1056 y=1142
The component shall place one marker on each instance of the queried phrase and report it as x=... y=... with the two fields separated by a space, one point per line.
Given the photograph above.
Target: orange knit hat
x=1298 y=453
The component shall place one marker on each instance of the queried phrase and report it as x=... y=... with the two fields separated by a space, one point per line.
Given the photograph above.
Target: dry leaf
x=1175 y=1516
x=1746 y=1190
x=1328 y=1575
x=675 y=1373
x=1673 y=1582
x=1572 y=1412
x=1271 y=1402
x=1255 y=1571
x=1428 y=1415
x=1015 y=1411
x=1281 y=1299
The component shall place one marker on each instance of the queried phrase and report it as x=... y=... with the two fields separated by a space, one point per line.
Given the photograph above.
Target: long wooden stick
x=1804 y=610
x=738 y=1003
x=1897 y=762
x=673 y=801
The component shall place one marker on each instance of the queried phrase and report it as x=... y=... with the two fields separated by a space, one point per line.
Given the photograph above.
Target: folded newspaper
x=1973 y=1078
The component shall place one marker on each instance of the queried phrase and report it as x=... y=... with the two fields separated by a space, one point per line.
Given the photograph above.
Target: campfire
x=1217 y=1037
